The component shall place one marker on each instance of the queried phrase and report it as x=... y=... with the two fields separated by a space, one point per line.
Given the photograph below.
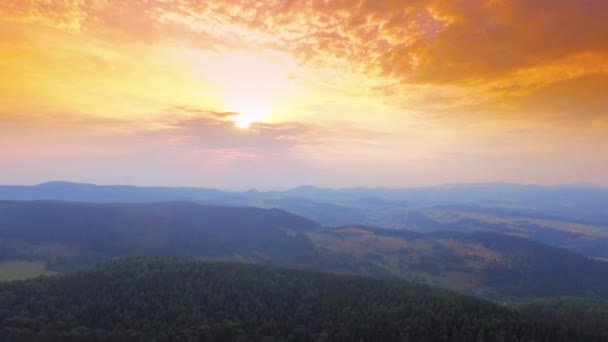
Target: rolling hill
x=50 y=236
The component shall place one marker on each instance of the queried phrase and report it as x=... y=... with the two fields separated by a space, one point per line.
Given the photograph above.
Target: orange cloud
x=424 y=40
x=415 y=41
x=581 y=98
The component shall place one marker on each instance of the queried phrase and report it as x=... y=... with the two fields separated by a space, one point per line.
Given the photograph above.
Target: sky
x=274 y=94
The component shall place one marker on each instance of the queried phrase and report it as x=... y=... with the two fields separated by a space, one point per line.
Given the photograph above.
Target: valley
x=67 y=236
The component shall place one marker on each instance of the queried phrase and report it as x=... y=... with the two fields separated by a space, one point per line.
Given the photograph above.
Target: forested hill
x=141 y=299
x=102 y=231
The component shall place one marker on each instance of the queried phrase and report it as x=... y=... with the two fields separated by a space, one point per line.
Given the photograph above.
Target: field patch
x=17 y=270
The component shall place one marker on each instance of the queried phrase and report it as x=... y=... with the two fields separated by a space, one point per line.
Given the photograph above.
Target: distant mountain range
x=583 y=202
x=442 y=194
x=571 y=216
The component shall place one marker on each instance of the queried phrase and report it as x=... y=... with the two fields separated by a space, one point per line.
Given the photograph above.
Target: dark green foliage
x=141 y=299
x=583 y=313
x=531 y=269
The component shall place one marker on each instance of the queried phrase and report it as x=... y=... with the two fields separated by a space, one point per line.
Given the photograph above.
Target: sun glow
x=241 y=123
x=250 y=106
x=256 y=87
x=245 y=120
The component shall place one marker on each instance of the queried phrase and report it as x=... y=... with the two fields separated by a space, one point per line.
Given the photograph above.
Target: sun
x=248 y=109
x=241 y=123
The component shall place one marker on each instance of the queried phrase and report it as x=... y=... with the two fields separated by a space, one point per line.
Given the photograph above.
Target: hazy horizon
x=262 y=189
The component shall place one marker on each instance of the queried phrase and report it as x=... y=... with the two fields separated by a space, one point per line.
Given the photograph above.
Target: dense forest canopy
x=160 y=299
